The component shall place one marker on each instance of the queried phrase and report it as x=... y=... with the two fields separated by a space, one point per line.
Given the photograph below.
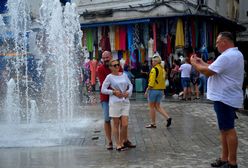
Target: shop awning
x=109 y=23
x=217 y=19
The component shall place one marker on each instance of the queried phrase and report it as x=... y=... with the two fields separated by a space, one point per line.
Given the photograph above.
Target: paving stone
x=192 y=141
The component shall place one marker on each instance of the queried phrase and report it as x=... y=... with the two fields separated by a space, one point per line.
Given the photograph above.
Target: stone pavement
x=191 y=142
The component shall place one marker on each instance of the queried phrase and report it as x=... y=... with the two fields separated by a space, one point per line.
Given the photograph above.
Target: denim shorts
x=185 y=82
x=105 y=110
x=225 y=115
x=155 y=96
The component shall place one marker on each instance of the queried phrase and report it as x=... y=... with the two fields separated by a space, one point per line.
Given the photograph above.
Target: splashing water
x=39 y=106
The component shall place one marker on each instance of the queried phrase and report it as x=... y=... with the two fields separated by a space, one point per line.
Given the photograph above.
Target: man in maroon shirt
x=103 y=70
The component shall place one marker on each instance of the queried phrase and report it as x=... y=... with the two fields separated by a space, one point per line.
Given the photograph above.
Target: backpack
x=156 y=69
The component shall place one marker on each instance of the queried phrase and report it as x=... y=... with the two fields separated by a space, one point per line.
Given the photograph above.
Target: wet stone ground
x=191 y=142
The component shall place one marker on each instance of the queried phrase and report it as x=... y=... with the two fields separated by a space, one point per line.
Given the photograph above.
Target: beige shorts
x=119 y=109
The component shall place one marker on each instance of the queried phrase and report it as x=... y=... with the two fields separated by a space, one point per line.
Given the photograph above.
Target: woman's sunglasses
x=116 y=65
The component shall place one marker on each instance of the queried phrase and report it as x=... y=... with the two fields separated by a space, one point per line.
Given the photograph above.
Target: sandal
x=110 y=146
x=151 y=126
x=121 y=148
x=218 y=163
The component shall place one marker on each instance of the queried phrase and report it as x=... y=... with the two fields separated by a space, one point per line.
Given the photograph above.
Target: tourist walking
x=154 y=91
x=225 y=81
x=103 y=70
x=185 y=70
x=119 y=87
x=195 y=80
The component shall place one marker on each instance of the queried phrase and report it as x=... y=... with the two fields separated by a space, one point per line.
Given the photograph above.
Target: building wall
x=243 y=14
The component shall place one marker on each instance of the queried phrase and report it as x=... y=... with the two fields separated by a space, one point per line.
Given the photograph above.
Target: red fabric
x=169 y=47
x=103 y=71
x=93 y=65
x=105 y=42
x=193 y=33
x=123 y=37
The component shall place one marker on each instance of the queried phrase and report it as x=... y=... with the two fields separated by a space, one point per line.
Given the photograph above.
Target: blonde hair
x=112 y=60
x=156 y=57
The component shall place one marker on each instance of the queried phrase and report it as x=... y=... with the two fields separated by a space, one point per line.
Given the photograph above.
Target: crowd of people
x=225 y=80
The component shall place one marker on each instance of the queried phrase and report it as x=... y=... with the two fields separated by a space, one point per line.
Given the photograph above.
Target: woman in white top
x=119 y=88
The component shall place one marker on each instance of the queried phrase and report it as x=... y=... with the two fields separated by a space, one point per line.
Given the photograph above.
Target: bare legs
x=186 y=92
x=120 y=126
x=107 y=129
x=156 y=107
x=229 y=144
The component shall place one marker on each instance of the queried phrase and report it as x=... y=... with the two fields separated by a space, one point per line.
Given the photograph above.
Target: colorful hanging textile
x=196 y=33
x=125 y=55
x=120 y=55
x=179 y=34
x=99 y=37
x=146 y=35
x=210 y=35
x=105 y=42
x=93 y=66
x=169 y=47
x=215 y=34
x=89 y=40
x=142 y=51
x=112 y=37
x=136 y=39
x=150 y=48
x=193 y=38
x=203 y=34
x=123 y=38
x=130 y=37
x=117 y=38
x=154 y=37
x=84 y=39
x=186 y=33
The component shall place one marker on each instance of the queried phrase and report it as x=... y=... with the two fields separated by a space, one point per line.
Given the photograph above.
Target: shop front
x=135 y=41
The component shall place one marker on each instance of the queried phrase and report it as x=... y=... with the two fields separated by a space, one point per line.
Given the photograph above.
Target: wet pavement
x=191 y=142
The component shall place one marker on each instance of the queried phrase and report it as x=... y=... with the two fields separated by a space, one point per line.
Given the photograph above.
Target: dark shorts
x=185 y=82
x=225 y=115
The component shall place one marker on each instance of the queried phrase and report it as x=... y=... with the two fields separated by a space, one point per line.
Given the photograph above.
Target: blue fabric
x=185 y=82
x=146 y=35
x=105 y=110
x=130 y=37
x=124 y=22
x=203 y=34
x=204 y=52
x=225 y=115
x=155 y=96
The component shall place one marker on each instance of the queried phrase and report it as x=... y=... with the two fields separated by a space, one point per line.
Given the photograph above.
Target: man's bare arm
x=201 y=66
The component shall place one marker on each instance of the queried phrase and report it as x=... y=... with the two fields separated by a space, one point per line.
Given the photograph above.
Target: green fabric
x=89 y=40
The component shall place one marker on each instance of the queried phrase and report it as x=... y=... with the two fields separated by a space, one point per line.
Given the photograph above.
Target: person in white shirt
x=226 y=75
x=119 y=88
x=185 y=79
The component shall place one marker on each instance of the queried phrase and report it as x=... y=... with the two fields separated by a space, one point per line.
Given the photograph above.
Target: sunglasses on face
x=115 y=65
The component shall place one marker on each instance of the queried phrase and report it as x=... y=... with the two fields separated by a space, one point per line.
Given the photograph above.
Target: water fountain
x=39 y=104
